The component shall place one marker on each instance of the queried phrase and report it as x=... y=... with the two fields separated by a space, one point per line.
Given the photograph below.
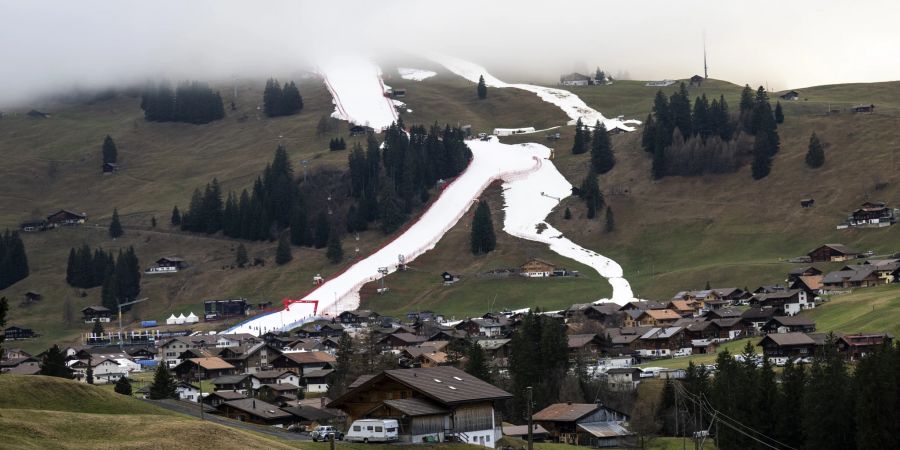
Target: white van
x=373 y=430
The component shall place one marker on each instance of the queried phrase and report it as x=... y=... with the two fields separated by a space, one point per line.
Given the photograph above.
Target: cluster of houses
x=61 y=218
x=867 y=273
x=577 y=79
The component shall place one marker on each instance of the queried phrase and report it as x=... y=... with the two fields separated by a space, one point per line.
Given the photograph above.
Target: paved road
x=193 y=410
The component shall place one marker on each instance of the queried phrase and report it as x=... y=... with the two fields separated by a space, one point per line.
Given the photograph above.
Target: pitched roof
x=565 y=412
x=274 y=373
x=812 y=281
x=318 y=373
x=580 y=340
x=793 y=320
x=231 y=379
x=662 y=314
x=211 y=363
x=229 y=395
x=840 y=248
x=359 y=381
x=681 y=305
x=789 y=339
x=604 y=429
x=416 y=407
x=444 y=384
x=258 y=408
x=309 y=357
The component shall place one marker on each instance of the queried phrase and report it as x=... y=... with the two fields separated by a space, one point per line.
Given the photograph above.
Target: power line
x=709 y=409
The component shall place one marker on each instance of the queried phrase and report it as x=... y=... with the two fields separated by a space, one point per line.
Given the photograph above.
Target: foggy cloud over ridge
x=55 y=45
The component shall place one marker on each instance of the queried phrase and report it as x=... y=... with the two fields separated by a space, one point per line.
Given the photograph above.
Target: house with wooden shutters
x=429 y=403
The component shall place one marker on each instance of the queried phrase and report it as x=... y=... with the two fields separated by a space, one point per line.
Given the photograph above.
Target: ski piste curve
x=532 y=188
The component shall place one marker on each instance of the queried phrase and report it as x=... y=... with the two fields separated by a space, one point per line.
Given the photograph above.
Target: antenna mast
x=705 y=67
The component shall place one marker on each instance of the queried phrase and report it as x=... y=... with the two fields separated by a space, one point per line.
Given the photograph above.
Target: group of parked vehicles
x=363 y=430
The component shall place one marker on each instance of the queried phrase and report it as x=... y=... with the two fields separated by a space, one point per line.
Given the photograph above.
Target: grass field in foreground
x=44 y=412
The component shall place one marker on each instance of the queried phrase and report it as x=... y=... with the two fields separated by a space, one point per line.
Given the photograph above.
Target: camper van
x=373 y=430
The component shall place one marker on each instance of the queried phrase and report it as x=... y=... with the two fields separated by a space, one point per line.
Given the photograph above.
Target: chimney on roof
x=254 y=403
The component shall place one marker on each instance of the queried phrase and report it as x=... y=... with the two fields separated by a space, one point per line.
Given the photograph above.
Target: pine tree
x=89 y=372
x=323 y=230
x=779 y=114
x=110 y=153
x=163 y=385
x=283 y=252
x=123 y=386
x=240 y=257
x=762 y=160
x=127 y=276
x=115 y=227
x=610 y=221
x=790 y=405
x=53 y=364
x=299 y=226
x=482 y=88
x=827 y=400
x=680 y=110
x=483 y=239
x=567 y=214
x=97 y=330
x=13 y=260
x=176 y=217
x=591 y=194
x=335 y=252
x=392 y=214
x=476 y=365
x=343 y=366
x=109 y=296
x=815 y=156
x=602 y=158
x=580 y=142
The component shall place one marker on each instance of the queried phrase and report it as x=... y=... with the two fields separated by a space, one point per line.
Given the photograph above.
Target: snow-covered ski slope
x=408 y=73
x=532 y=188
x=353 y=83
x=571 y=104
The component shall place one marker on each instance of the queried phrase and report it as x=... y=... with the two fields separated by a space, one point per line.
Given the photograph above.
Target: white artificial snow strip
x=570 y=103
x=408 y=73
x=533 y=187
x=358 y=92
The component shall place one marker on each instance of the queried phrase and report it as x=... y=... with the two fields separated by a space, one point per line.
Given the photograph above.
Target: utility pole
x=530 y=394
x=120 y=305
x=331 y=440
x=200 y=395
x=705 y=67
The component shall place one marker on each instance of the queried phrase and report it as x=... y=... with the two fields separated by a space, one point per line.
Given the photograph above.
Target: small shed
x=110 y=167
x=697 y=80
x=790 y=95
x=807 y=203
x=449 y=278
x=870 y=108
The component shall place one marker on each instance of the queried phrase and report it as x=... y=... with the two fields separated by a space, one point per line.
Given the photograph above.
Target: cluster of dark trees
x=591 y=194
x=598 y=142
x=481 y=89
x=815 y=155
x=110 y=152
x=13 y=260
x=388 y=184
x=53 y=364
x=337 y=144
x=538 y=358
x=120 y=276
x=382 y=185
x=483 y=239
x=281 y=100
x=705 y=138
x=821 y=406
x=191 y=102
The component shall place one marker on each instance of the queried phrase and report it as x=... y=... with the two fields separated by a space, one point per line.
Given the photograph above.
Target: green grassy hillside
x=43 y=412
x=55 y=163
x=673 y=234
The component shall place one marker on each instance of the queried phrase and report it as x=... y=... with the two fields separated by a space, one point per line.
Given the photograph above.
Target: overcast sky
x=54 y=44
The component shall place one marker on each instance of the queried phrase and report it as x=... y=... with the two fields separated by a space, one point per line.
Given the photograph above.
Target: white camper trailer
x=373 y=430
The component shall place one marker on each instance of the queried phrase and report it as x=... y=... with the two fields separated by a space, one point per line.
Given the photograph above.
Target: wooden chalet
x=360 y=316
x=430 y=404
x=589 y=345
x=96 y=313
x=304 y=362
x=870 y=108
x=855 y=346
x=833 y=252
x=588 y=424
x=14 y=333
x=255 y=411
x=574 y=79
x=216 y=398
x=697 y=80
x=536 y=268
x=789 y=324
x=853 y=276
x=203 y=368
x=790 y=96
x=787 y=345
x=33 y=225
x=65 y=218
x=786 y=303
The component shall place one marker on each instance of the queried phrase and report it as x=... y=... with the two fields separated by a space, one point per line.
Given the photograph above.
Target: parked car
x=324 y=432
x=373 y=430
